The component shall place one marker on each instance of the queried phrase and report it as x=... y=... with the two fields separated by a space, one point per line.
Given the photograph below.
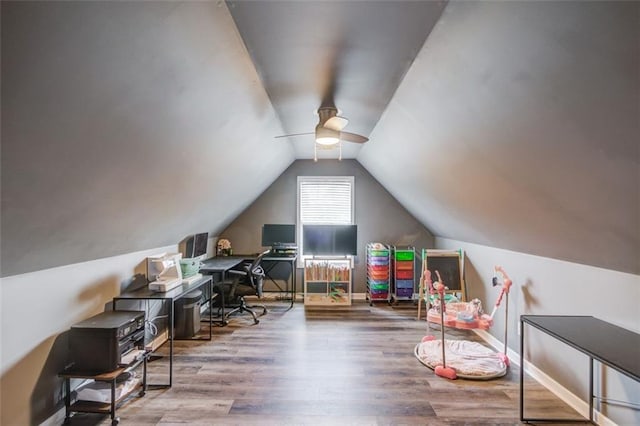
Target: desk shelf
x=111 y=377
x=327 y=282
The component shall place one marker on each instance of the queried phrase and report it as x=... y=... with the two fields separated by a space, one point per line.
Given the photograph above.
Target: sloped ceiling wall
x=518 y=127
x=126 y=126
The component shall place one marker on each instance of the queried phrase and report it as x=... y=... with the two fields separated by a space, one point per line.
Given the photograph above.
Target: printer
x=98 y=344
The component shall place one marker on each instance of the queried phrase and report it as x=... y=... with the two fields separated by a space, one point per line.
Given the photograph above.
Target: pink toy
x=443 y=370
x=463 y=315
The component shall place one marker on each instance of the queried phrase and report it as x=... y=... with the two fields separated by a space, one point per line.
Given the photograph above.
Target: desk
x=220 y=266
x=169 y=296
x=609 y=344
x=272 y=261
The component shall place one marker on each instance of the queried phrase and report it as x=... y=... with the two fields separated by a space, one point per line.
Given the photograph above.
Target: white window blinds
x=325 y=200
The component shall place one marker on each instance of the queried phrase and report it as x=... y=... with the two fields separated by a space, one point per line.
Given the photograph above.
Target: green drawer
x=404 y=255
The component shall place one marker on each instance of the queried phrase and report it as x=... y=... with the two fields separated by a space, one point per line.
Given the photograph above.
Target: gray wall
x=544 y=286
x=518 y=126
x=378 y=215
x=122 y=123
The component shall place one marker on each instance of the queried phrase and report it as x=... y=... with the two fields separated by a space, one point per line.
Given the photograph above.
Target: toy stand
x=467 y=359
x=450 y=265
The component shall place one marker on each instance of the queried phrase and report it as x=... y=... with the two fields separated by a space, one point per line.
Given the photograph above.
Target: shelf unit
x=327 y=282
x=111 y=377
x=403 y=273
x=378 y=273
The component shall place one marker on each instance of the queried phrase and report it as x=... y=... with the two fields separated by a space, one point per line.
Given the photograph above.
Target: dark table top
x=221 y=263
x=175 y=293
x=608 y=343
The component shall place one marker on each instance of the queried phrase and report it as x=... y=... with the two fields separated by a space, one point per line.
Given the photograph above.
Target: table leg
x=591 y=390
x=522 y=370
x=171 y=325
x=113 y=402
x=293 y=282
x=67 y=400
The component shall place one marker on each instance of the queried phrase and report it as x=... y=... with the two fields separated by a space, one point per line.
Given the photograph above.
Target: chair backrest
x=255 y=274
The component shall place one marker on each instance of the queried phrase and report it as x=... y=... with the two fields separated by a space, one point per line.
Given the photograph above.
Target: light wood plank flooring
x=319 y=366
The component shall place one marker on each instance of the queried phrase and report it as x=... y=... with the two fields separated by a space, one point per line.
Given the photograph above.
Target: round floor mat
x=470 y=360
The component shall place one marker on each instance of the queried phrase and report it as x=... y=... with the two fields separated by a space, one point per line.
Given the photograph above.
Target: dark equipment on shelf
x=97 y=344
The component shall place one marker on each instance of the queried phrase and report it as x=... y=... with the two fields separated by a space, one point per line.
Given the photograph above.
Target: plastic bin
x=404 y=274
x=404 y=255
x=187 y=312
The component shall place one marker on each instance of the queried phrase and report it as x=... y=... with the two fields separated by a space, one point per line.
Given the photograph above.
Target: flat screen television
x=274 y=234
x=330 y=240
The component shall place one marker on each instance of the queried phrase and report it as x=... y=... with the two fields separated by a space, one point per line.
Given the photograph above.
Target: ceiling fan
x=328 y=132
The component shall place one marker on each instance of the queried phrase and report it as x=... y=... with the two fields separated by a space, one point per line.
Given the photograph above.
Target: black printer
x=98 y=344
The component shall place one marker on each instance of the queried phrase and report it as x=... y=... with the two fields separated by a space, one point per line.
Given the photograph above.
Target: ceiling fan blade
x=294 y=134
x=336 y=123
x=352 y=137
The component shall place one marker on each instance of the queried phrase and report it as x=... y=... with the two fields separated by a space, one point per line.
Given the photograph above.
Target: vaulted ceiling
x=347 y=54
x=508 y=124
x=499 y=123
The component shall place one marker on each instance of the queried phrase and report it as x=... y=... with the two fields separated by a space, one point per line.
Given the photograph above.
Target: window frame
x=338 y=179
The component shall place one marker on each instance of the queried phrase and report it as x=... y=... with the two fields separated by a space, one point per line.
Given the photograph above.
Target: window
x=324 y=200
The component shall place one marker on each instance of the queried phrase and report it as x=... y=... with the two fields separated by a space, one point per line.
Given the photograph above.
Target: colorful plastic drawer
x=378 y=267
x=404 y=292
x=404 y=255
x=382 y=253
x=379 y=287
x=378 y=276
x=379 y=261
x=404 y=265
x=380 y=293
x=404 y=274
x=404 y=284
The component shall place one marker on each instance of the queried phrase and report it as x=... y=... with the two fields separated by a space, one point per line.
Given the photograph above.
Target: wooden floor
x=317 y=366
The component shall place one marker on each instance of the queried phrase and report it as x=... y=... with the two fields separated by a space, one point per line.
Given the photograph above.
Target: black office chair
x=246 y=282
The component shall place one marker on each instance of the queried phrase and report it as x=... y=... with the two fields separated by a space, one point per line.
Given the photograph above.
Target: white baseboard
x=358 y=296
x=578 y=404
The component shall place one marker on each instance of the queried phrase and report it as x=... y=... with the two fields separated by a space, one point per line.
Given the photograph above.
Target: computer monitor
x=194 y=246
x=200 y=245
x=278 y=234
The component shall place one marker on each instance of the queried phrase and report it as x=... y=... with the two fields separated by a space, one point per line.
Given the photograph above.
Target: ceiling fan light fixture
x=327 y=137
x=327 y=141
